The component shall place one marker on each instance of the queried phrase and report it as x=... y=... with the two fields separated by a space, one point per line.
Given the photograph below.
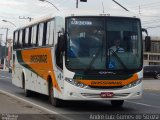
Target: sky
x=15 y=11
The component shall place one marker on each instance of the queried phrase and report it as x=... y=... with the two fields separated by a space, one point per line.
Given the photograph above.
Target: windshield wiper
x=118 y=58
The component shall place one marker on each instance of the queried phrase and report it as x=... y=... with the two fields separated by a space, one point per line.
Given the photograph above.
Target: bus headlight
x=76 y=83
x=133 y=84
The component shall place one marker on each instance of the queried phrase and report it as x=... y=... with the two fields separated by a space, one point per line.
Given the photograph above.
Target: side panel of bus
x=34 y=59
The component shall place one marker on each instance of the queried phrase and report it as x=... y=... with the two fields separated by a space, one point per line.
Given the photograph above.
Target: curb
x=4 y=70
x=158 y=90
x=57 y=115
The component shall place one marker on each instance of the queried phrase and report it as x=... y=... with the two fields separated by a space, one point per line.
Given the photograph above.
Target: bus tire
x=27 y=93
x=117 y=103
x=54 y=101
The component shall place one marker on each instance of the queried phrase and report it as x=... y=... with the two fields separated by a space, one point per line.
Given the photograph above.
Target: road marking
x=6 y=77
x=154 y=94
x=144 y=104
x=61 y=117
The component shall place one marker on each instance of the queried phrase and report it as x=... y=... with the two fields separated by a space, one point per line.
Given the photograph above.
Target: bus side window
x=15 y=39
x=29 y=37
x=23 y=38
x=18 y=39
x=33 y=38
x=44 y=34
x=26 y=37
x=50 y=33
x=37 y=33
x=40 y=35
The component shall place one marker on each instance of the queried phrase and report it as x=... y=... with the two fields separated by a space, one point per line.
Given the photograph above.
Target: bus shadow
x=85 y=106
x=102 y=106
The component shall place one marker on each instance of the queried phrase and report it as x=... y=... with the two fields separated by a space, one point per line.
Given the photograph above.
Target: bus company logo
x=105 y=72
x=38 y=58
x=106 y=83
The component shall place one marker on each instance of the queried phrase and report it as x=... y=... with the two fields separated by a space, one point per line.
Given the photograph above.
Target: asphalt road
x=148 y=107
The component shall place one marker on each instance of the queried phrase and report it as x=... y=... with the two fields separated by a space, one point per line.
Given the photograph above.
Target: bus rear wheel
x=27 y=92
x=54 y=101
x=117 y=103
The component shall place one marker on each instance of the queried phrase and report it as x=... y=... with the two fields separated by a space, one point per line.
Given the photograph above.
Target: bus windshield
x=103 y=43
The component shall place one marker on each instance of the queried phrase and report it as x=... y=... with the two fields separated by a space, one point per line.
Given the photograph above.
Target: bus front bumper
x=72 y=92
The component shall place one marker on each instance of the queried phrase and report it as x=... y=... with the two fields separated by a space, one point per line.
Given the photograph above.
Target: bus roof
x=69 y=13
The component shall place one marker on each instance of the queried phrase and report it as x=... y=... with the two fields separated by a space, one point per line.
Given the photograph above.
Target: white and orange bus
x=71 y=58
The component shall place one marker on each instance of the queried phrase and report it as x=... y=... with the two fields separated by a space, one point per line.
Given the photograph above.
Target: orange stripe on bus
x=40 y=61
x=111 y=83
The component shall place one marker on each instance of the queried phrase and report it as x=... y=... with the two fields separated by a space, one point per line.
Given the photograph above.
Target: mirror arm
x=145 y=30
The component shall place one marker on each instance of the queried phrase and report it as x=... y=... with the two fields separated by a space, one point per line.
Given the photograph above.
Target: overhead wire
x=151 y=21
x=60 y=1
x=144 y=5
x=150 y=27
x=148 y=24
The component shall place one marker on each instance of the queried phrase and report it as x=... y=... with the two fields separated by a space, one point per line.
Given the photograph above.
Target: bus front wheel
x=54 y=101
x=117 y=103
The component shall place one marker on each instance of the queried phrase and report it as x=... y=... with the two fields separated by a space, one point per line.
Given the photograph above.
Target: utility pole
x=103 y=7
x=77 y=4
x=0 y=47
x=139 y=9
x=5 y=50
x=9 y=51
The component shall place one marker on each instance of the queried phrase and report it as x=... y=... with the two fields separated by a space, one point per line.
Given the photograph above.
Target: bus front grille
x=98 y=95
x=106 y=87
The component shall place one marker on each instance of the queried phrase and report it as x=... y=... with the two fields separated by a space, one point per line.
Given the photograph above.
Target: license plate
x=107 y=94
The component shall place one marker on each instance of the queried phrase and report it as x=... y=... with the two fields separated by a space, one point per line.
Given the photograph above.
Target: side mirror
x=147 y=43
x=61 y=43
